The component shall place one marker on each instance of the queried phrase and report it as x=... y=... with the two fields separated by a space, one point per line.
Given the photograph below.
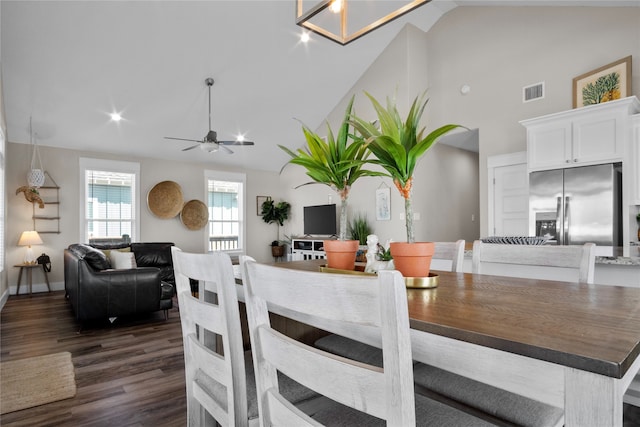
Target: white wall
x=63 y=166
x=498 y=50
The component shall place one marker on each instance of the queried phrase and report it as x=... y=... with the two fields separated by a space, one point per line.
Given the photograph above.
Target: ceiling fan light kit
x=333 y=18
x=210 y=142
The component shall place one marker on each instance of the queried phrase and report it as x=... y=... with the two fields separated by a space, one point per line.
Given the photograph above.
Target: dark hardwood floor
x=129 y=373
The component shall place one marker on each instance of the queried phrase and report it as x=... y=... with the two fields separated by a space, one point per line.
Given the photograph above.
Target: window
x=225 y=200
x=110 y=195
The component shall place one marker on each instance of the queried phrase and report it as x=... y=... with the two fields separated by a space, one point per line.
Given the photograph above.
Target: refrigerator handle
x=559 y=222
x=567 y=240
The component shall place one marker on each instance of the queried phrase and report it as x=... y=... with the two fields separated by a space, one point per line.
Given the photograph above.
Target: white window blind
x=110 y=195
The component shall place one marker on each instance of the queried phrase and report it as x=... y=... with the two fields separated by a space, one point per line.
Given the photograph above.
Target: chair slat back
x=201 y=319
x=563 y=263
x=448 y=256
x=343 y=300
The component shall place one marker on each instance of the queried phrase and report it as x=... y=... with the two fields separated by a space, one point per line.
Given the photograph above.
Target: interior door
x=511 y=200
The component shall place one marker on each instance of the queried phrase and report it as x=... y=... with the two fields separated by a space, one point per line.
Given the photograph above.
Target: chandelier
x=344 y=21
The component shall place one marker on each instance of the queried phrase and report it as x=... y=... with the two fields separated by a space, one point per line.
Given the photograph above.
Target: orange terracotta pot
x=341 y=254
x=412 y=259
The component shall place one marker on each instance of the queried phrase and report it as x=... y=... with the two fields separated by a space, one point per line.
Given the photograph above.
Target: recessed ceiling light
x=240 y=138
x=304 y=37
x=116 y=117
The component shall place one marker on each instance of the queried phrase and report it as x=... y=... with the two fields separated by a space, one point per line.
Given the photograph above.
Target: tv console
x=308 y=248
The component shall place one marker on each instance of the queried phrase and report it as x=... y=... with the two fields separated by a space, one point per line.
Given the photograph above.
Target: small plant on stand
x=276 y=213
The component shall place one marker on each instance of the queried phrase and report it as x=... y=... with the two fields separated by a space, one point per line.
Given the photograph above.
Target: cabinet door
x=598 y=139
x=549 y=147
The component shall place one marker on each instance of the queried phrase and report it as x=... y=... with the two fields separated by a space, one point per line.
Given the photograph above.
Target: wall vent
x=533 y=92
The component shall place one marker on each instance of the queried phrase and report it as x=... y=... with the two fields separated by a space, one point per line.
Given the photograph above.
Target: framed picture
x=383 y=204
x=607 y=83
x=259 y=201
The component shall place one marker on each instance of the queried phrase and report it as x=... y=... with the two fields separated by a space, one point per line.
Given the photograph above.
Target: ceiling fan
x=210 y=142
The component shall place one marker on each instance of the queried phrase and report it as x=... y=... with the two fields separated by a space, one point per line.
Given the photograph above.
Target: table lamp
x=27 y=239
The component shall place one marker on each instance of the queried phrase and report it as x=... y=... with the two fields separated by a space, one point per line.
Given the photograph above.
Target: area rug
x=35 y=381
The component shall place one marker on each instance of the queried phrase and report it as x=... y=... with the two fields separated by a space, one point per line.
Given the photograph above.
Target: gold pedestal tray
x=422 y=282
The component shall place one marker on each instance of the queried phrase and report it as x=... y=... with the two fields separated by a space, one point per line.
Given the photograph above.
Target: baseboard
x=4 y=298
x=37 y=288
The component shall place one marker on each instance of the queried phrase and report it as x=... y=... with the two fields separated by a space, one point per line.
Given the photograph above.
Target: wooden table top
x=593 y=328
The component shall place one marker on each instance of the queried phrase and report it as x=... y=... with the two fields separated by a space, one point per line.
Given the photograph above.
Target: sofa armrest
x=112 y=293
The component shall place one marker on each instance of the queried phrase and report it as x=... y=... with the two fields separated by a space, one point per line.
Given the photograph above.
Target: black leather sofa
x=95 y=290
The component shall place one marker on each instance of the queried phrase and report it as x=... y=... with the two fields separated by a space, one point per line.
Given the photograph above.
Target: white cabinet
x=304 y=249
x=583 y=136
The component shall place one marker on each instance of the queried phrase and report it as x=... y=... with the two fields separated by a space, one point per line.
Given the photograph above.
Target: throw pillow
x=107 y=252
x=122 y=260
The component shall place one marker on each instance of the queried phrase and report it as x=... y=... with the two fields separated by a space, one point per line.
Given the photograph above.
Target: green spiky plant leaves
x=337 y=162
x=398 y=145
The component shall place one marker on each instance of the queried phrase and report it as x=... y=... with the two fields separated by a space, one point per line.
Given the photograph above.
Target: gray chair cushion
x=351 y=349
x=492 y=400
x=290 y=389
x=428 y=413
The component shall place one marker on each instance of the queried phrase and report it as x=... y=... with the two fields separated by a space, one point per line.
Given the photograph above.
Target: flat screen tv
x=320 y=220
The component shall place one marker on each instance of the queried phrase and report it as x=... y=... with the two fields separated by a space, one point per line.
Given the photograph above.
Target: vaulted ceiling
x=69 y=64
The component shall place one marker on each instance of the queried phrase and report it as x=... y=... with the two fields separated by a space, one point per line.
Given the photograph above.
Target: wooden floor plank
x=128 y=373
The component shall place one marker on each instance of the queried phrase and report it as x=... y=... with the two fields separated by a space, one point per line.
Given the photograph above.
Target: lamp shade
x=28 y=238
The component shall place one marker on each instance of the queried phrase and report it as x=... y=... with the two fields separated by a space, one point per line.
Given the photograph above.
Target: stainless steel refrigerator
x=577 y=205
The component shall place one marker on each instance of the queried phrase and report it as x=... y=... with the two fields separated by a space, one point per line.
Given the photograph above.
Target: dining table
x=571 y=345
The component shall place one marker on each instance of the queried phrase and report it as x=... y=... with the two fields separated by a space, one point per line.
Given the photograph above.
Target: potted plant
x=359 y=229
x=337 y=162
x=398 y=145
x=275 y=213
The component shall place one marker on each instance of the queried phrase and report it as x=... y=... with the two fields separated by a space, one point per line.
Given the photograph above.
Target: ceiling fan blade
x=191 y=148
x=182 y=139
x=236 y=142
x=228 y=150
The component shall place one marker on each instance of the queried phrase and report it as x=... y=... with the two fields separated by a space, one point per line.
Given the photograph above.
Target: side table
x=29 y=268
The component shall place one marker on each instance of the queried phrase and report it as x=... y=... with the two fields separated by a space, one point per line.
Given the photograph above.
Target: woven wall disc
x=194 y=215
x=165 y=199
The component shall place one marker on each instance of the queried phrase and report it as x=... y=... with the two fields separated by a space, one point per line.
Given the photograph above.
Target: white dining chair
x=448 y=256
x=572 y=263
x=357 y=393
x=219 y=374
